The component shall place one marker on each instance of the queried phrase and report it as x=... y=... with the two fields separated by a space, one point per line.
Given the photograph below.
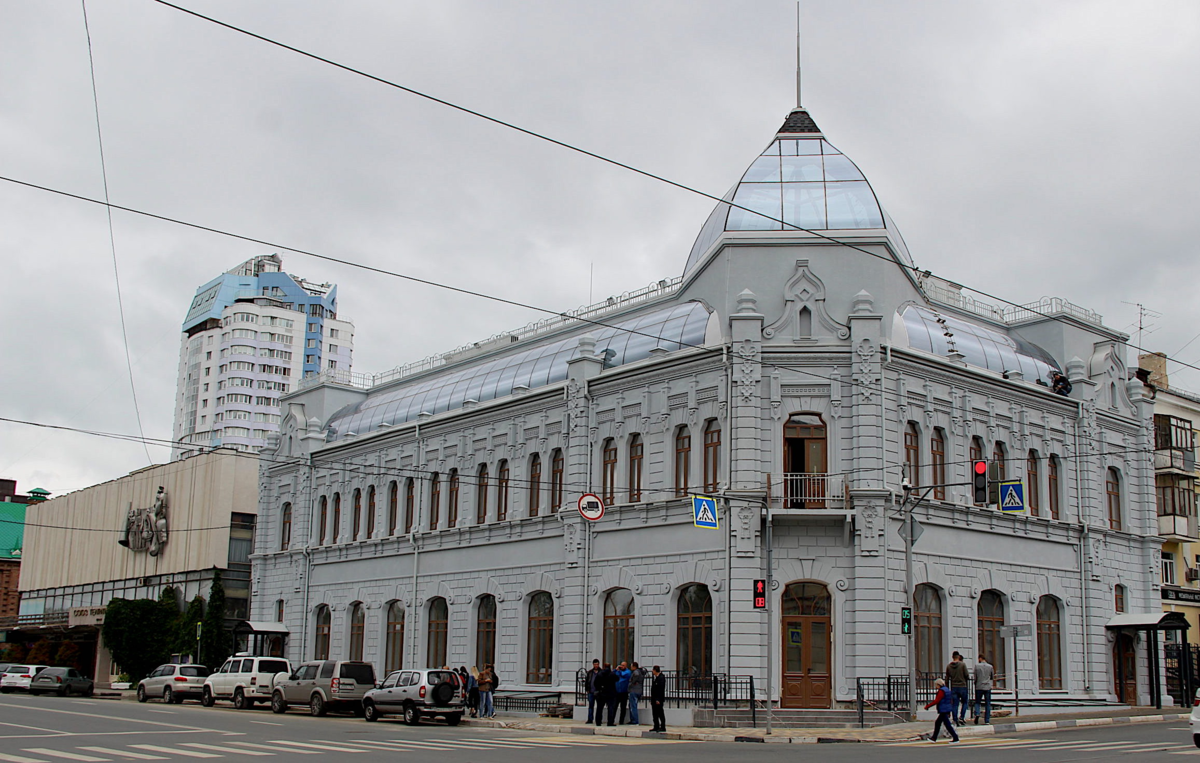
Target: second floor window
x=635 y=468
x=608 y=471
x=712 y=456
x=683 y=458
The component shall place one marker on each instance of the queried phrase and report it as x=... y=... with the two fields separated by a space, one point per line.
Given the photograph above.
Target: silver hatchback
x=173 y=683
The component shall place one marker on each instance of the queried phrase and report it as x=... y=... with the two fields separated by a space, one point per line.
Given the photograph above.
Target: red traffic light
x=981 y=467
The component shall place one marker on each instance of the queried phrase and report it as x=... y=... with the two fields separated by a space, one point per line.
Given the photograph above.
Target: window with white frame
x=1168 y=568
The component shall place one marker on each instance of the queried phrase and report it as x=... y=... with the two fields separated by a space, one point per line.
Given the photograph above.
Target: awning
x=253 y=626
x=1164 y=621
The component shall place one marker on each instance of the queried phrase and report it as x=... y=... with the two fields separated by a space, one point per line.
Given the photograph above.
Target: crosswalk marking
x=322 y=747
x=446 y=744
x=272 y=748
x=398 y=744
x=219 y=748
x=175 y=751
x=65 y=754
x=124 y=753
x=19 y=759
x=566 y=741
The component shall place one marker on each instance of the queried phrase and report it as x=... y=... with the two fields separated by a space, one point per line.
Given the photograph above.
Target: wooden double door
x=807 y=646
x=1125 y=669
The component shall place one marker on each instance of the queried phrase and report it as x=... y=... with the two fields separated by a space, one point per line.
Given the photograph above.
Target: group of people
x=479 y=685
x=952 y=696
x=620 y=689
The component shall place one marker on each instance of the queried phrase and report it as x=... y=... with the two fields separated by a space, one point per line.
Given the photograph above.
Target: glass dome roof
x=671 y=328
x=800 y=181
x=932 y=332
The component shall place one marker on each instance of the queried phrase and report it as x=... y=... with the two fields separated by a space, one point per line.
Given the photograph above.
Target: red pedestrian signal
x=979 y=481
x=760 y=594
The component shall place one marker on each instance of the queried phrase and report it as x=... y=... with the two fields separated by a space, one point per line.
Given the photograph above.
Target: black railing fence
x=525 y=701
x=687 y=689
x=1182 y=664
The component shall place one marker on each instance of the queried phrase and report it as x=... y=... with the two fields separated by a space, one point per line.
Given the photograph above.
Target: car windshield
x=437 y=676
x=196 y=671
x=359 y=672
x=273 y=666
x=19 y=669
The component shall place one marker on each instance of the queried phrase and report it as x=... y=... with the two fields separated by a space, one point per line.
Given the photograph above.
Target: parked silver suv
x=174 y=683
x=416 y=693
x=324 y=685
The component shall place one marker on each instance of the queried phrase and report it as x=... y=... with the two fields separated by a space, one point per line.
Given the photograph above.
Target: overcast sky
x=1028 y=148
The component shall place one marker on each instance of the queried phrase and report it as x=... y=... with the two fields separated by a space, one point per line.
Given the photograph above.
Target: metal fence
x=687 y=689
x=526 y=701
x=1182 y=663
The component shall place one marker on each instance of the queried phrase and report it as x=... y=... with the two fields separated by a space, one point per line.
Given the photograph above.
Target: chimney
x=1156 y=364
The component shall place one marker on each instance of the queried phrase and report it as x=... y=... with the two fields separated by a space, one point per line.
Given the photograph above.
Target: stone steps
x=792 y=719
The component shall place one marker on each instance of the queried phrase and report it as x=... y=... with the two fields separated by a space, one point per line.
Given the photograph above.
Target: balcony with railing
x=808 y=491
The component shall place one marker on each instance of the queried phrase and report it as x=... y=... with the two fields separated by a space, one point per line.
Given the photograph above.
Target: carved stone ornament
x=804 y=292
x=865 y=372
x=146 y=529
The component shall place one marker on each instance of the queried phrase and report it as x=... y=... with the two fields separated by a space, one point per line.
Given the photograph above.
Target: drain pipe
x=414 y=540
x=1084 y=540
x=312 y=488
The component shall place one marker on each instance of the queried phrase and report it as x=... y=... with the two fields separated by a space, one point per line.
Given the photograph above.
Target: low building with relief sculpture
x=427 y=515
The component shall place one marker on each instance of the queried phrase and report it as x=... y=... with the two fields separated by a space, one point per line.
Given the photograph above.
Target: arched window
x=393 y=657
x=693 y=627
x=435 y=500
x=556 y=480
x=439 y=627
x=608 y=471
x=321 y=643
x=683 y=460
x=535 y=484
x=452 y=500
x=393 y=507
x=976 y=449
x=912 y=454
x=712 y=456
x=323 y=521
x=928 y=624
x=371 y=511
x=410 y=504
x=356 y=522
x=999 y=455
x=539 y=662
x=635 y=468
x=485 y=631
x=937 y=462
x=481 y=494
x=806 y=599
x=990 y=613
x=336 y=532
x=285 y=527
x=1112 y=489
x=1118 y=598
x=1053 y=496
x=1033 y=484
x=358 y=623
x=502 y=491
x=1049 y=629
x=618 y=626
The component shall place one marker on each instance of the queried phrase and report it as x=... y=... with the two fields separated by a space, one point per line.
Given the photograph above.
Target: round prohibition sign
x=591 y=507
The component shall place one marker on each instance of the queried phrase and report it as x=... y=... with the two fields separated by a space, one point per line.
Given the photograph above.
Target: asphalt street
x=54 y=729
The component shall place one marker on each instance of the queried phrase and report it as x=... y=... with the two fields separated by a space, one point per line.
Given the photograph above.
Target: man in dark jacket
x=658 y=697
x=623 y=675
x=590 y=683
x=606 y=695
x=957 y=676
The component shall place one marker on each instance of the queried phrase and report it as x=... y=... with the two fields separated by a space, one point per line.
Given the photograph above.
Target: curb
x=1016 y=728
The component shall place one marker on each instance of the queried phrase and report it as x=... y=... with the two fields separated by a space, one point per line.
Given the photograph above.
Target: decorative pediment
x=805 y=318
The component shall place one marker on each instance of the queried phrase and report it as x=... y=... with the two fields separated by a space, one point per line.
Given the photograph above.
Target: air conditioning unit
x=1192 y=575
x=143 y=581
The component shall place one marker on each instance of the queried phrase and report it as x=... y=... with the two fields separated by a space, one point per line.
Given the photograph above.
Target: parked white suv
x=244 y=680
x=1194 y=722
x=19 y=677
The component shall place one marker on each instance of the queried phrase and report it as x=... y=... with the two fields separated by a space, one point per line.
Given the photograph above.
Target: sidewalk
x=894 y=733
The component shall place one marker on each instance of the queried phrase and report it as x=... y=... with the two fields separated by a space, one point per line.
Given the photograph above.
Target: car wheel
x=168 y=696
x=278 y=703
x=453 y=720
x=1196 y=739
x=206 y=699
x=412 y=716
x=239 y=700
x=90 y=689
x=370 y=712
x=142 y=693
x=62 y=691
x=316 y=706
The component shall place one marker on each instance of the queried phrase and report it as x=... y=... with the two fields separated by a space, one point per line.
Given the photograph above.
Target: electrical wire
x=112 y=241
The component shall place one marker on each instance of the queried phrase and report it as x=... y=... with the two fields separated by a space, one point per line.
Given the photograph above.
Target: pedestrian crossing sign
x=704 y=512
x=1012 y=496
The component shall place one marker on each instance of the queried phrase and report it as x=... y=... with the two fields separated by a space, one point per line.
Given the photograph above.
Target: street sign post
x=1019 y=630
x=704 y=512
x=1012 y=495
x=591 y=507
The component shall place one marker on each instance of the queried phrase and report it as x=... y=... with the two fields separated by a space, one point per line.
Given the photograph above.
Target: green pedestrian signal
x=906 y=620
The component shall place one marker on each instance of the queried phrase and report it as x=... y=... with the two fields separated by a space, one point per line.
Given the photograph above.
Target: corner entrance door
x=1125 y=668
x=804 y=453
x=807 y=646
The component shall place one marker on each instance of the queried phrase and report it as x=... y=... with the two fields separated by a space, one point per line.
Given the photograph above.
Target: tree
x=42 y=653
x=68 y=655
x=185 y=634
x=215 y=640
x=12 y=652
x=139 y=634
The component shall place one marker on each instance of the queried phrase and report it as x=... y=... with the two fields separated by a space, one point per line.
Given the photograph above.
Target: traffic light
x=979 y=480
x=906 y=620
x=760 y=594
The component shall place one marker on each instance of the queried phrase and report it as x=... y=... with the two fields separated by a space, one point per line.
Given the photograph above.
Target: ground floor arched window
x=693 y=627
x=540 y=652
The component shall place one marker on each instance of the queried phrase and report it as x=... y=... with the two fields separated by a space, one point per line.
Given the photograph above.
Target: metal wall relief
x=146 y=529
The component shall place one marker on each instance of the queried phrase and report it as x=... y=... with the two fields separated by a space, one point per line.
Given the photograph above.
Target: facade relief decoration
x=146 y=529
x=804 y=310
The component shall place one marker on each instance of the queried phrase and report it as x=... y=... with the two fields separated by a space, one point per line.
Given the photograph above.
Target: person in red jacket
x=945 y=707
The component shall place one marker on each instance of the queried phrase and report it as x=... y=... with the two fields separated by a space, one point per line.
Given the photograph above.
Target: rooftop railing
x=950 y=294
